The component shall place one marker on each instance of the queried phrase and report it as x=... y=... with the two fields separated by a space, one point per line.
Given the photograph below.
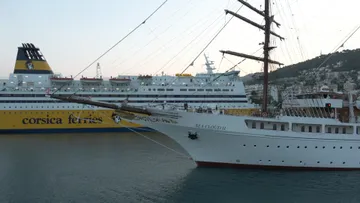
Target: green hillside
x=345 y=61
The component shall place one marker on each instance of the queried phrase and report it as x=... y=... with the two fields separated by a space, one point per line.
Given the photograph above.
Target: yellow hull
x=56 y=121
x=27 y=121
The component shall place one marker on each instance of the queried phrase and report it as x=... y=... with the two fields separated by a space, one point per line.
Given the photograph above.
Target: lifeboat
x=59 y=79
x=183 y=75
x=140 y=77
x=91 y=80
x=120 y=80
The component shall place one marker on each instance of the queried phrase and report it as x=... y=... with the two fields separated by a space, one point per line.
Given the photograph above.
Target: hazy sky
x=73 y=33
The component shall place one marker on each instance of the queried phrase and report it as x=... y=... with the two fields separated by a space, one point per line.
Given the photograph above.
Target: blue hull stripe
x=74 y=130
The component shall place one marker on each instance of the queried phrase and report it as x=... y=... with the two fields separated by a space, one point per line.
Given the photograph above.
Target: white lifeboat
x=120 y=80
x=59 y=79
x=91 y=80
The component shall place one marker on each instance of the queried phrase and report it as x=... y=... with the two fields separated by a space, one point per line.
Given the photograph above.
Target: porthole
x=350 y=147
x=267 y=146
x=298 y=147
x=300 y=161
x=278 y=146
x=340 y=147
x=244 y=145
x=282 y=161
x=323 y=147
x=305 y=147
x=254 y=145
x=315 y=147
x=318 y=162
x=287 y=146
x=344 y=162
x=334 y=147
x=269 y=160
x=331 y=162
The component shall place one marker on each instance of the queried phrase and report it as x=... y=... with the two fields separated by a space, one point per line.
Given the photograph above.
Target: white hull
x=235 y=144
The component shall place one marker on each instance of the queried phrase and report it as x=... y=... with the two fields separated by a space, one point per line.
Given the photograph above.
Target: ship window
x=336 y=130
x=282 y=127
x=169 y=89
x=274 y=126
x=161 y=89
x=261 y=125
x=329 y=130
x=200 y=90
x=302 y=128
x=191 y=90
x=209 y=90
x=183 y=90
x=310 y=128
x=225 y=90
x=217 y=90
x=253 y=124
x=317 y=129
x=344 y=130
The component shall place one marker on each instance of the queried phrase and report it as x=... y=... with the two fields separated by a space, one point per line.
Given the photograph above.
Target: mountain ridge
x=333 y=68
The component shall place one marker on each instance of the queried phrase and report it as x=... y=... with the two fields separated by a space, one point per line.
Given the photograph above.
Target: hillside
x=341 y=67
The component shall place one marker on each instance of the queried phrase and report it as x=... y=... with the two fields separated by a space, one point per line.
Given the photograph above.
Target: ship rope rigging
x=266 y=59
x=267 y=48
x=202 y=51
x=117 y=43
x=180 y=40
x=98 y=71
x=130 y=129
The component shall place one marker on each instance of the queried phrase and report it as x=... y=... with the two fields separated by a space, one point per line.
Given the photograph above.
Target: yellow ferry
x=25 y=106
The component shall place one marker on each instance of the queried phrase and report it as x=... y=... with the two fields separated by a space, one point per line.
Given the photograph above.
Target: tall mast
x=266 y=55
x=268 y=20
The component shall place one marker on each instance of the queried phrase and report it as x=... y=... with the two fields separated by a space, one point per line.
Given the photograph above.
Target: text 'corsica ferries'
x=25 y=106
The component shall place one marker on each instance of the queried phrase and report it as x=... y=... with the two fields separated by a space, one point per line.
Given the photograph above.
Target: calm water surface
x=125 y=167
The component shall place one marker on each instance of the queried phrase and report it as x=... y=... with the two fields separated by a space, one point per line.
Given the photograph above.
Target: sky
x=72 y=34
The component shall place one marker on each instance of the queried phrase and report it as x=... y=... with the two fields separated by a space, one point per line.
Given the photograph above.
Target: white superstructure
x=224 y=90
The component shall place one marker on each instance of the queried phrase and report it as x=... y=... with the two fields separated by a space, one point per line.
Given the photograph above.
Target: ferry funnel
x=29 y=60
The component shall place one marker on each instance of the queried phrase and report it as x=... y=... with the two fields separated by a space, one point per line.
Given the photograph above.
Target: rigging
x=122 y=39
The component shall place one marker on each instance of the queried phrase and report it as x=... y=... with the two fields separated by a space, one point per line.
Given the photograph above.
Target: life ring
x=264 y=114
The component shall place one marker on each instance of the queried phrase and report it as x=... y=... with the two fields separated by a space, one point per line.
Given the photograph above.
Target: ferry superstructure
x=26 y=108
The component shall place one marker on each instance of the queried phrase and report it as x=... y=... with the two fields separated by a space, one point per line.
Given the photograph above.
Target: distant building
x=258 y=89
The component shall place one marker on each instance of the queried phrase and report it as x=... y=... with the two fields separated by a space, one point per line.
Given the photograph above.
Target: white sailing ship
x=321 y=132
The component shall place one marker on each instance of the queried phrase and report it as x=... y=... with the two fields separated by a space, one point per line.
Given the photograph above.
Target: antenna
x=209 y=65
x=98 y=71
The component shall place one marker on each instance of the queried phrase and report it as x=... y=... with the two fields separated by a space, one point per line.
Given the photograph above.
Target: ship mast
x=267 y=28
x=266 y=56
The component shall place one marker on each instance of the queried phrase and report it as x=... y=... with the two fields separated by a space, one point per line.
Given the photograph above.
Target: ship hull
x=233 y=145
